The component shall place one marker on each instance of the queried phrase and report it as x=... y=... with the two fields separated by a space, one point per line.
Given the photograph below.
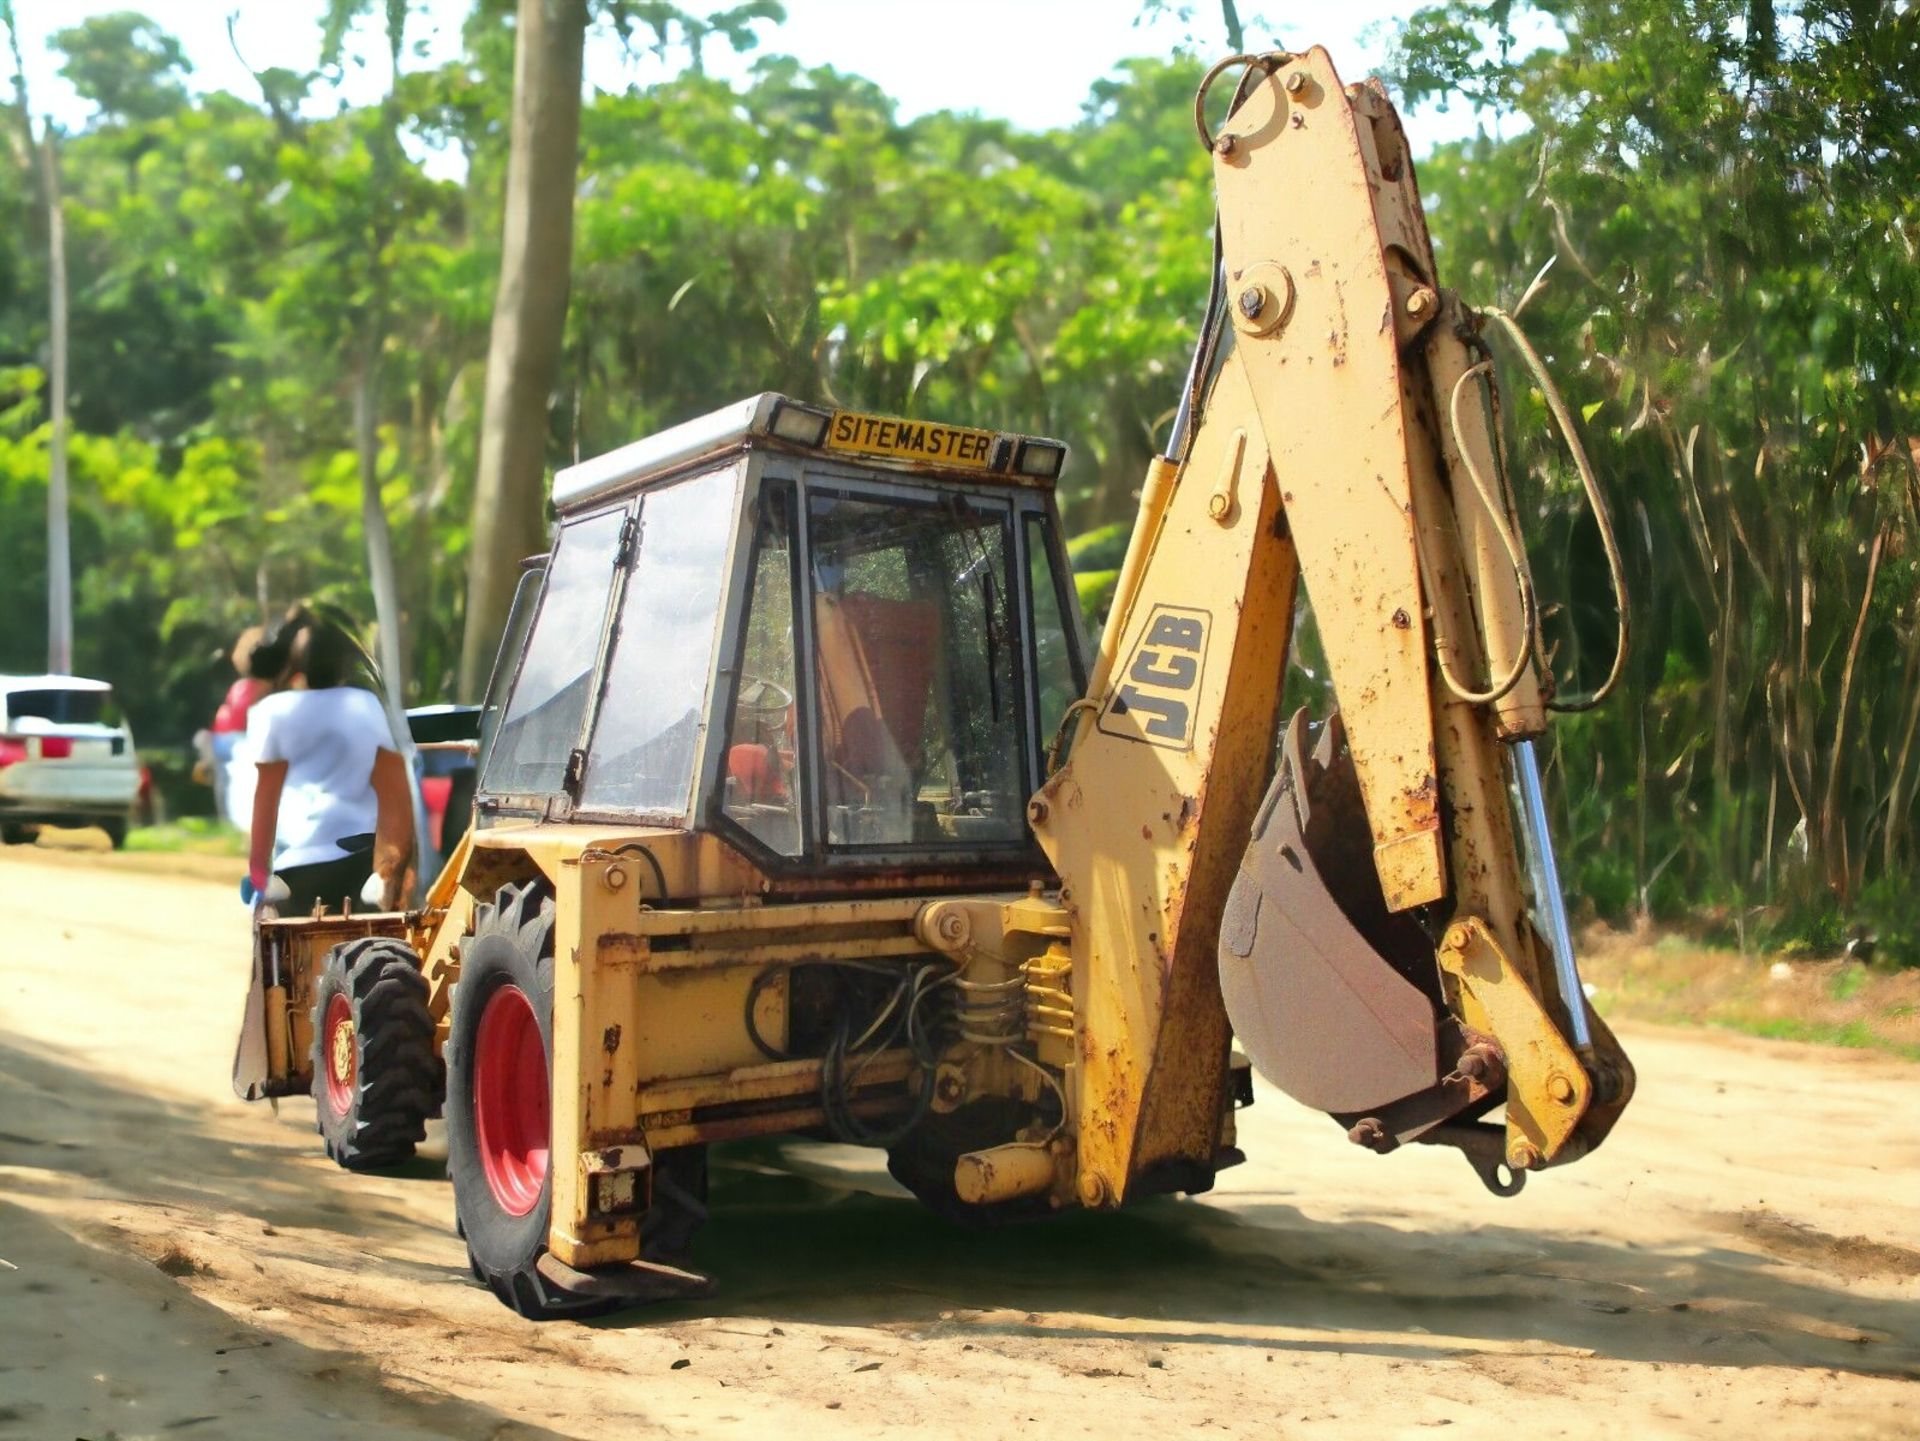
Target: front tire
x=375 y=1077
x=17 y=833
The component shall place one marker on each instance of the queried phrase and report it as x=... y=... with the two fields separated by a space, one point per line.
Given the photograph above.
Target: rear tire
x=17 y=833
x=375 y=1077
x=116 y=832
x=499 y=1099
x=498 y=1133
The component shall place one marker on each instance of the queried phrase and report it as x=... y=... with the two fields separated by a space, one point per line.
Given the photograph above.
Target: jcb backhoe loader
x=802 y=810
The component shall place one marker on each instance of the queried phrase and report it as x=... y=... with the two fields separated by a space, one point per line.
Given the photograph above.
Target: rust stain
x=610 y=1039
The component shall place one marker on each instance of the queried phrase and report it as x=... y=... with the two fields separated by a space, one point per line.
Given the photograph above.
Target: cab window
x=548 y=703
x=920 y=734
x=1055 y=646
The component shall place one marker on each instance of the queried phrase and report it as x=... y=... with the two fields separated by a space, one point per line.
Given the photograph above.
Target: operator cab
x=834 y=639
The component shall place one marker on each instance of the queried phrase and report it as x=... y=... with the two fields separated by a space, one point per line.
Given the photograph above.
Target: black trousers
x=335 y=883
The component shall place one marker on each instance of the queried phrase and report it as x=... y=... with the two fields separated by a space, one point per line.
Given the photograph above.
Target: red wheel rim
x=510 y=1105
x=340 y=1053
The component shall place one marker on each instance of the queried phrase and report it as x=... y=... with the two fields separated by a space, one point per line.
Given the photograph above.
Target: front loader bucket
x=1320 y=981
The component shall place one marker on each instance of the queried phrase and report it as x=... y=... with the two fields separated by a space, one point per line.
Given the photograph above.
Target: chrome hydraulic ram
x=1546 y=887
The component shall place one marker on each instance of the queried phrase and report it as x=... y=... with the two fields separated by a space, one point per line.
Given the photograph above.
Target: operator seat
x=876 y=671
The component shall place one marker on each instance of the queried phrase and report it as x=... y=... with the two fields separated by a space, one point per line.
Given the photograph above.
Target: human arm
x=266 y=818
x=393 y=825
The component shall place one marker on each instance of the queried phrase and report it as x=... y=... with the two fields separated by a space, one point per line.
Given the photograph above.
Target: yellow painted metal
x=1325 y=451
x=1145 y=829
x=768 y=1080
x=887 y=435
x=1547 y=1088
x=1014 y=986
x=1296 y=194
x=1049 y=994
x=1504 y=625
x=693 y=863
x=596 y=1065
x=293 y=950
x=276 y=1017
x=1005 y=1173
x=1322 y=444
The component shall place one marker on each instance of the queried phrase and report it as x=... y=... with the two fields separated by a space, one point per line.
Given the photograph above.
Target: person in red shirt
x=230 y=725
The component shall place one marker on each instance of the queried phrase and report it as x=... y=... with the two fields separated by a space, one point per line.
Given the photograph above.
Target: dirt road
x=1738 y=1258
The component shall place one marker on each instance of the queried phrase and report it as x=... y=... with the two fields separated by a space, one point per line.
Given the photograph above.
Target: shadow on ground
x=61 y=1117
x=800 y=1242
x=99 y=1343
x=794 y=1238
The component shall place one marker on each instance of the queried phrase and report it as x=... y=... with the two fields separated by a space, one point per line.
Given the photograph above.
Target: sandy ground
x=1737 y=1259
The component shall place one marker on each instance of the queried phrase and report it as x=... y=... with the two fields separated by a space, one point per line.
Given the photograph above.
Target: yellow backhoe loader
x=802 y=808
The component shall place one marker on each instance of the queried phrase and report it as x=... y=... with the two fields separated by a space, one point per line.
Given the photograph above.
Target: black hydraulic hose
x=659 y=876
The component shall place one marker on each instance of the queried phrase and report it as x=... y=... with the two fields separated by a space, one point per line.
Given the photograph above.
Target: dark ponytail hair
x=304 y=643
x=272 y=658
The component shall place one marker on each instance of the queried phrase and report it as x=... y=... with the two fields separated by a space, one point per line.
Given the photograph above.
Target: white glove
x=374 y=892
x=276 y=891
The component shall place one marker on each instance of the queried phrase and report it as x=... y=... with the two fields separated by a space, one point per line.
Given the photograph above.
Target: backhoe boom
x=1341 y=439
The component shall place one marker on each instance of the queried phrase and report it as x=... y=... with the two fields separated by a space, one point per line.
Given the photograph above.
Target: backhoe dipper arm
x=1370 y=914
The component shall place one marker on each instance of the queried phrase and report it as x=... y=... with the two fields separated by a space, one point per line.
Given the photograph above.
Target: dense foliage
x=788 y=233
x=1725 y=191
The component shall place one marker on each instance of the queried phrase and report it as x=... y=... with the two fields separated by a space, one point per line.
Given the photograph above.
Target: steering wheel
x=758 y=696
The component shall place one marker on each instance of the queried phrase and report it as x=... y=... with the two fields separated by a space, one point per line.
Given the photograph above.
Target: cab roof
x=921 y=447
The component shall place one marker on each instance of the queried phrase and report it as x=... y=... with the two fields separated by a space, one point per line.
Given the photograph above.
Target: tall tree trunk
x=1833 y=835
x=391 y=649
x=1900 y=791
x=529 y=318
x=59 y=553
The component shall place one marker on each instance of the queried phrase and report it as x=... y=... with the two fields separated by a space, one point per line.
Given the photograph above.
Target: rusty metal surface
x=1297 y=192
x=702 y=867
x=1319 y=1011
x=596 y=1062
x=630 y=1281
x=1146 y=819
x=1005 y=1173
x=276 y=1033
x=1547 y=1087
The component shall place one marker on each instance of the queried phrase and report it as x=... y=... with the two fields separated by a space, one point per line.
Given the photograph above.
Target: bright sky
x=1030 y=61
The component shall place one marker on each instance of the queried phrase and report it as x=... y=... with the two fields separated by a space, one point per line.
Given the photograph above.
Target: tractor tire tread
x=397 y=1077
x=524 y=915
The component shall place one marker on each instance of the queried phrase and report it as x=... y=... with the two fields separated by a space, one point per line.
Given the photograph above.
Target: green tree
x=536 y=260
x=1730 y=303
x=126 y=65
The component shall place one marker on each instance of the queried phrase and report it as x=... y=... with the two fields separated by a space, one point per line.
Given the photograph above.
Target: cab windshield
x=653 y=709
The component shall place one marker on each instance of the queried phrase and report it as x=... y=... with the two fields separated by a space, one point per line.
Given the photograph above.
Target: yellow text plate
x=911 y=439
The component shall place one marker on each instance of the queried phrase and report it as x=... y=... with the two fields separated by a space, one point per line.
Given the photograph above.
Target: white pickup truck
x=66 y=757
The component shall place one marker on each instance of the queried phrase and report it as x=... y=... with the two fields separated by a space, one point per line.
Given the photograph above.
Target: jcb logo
x=1154 y=699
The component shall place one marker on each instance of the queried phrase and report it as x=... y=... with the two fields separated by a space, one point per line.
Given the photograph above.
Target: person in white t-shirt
x=331 y=804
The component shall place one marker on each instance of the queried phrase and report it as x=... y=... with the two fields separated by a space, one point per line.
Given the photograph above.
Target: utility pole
x=59 y=555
